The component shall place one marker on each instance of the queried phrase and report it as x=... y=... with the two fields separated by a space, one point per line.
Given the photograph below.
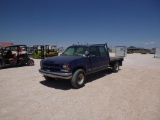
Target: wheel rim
x=80 y=78
x=31 y=62
x=116 y=67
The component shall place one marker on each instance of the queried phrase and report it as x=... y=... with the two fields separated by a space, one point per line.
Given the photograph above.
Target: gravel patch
x=130 y=94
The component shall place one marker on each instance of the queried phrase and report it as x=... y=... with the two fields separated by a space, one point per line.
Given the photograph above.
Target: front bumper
x=56 y=74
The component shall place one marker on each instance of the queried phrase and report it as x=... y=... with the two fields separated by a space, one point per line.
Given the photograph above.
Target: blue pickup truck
x=77 y=61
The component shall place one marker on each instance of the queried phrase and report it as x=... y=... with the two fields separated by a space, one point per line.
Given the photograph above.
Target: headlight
x=66 y=67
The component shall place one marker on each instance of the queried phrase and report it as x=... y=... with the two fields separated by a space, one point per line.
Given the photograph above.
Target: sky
x=67 y=22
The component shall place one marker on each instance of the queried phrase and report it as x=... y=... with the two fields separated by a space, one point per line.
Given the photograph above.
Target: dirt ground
x=131 y=94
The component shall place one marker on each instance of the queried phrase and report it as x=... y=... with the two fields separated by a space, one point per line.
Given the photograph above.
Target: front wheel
x=78 y=79
x=30 y=62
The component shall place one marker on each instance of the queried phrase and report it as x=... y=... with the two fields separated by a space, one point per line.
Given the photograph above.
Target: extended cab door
x=104 y=59
x=94 y=57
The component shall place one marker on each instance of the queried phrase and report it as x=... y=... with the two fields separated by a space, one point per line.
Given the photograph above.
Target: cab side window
x=102 y=51
x=94 y=51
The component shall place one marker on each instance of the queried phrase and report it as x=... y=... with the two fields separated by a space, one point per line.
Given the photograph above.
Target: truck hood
x=61 y=59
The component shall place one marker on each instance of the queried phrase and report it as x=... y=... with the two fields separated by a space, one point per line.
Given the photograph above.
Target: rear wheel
x=78 y=79
x=30 y=62
x=49 y=78
x=115 y=67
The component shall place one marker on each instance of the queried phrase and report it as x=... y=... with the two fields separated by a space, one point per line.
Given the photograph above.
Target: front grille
x=52 y=67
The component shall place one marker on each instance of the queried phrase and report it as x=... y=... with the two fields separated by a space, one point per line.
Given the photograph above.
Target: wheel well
x=120 y=63
x=79 y=67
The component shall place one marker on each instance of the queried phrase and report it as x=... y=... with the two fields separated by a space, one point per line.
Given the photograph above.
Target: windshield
x=75 y=50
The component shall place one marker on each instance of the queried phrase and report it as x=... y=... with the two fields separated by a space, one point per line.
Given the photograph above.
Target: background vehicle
x=42 y=51
x=77 y=62
x=157 y=53
x=121 y=51
x=15 y=55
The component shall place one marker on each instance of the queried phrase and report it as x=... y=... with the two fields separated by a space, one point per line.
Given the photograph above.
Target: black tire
x=1 y=65
x=49 y=78
x=115 y=67
x=30 y=62
x=78 y=79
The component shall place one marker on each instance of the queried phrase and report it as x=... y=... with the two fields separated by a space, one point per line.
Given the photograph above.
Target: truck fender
x=79 y=67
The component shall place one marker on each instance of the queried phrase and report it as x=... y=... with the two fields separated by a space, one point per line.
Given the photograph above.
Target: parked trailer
x=121 y=51
x=157 y=53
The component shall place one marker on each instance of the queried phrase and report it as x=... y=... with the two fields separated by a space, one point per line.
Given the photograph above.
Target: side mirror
x=86 y=53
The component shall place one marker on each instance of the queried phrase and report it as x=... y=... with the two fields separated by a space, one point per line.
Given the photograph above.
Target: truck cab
x=77 y=61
